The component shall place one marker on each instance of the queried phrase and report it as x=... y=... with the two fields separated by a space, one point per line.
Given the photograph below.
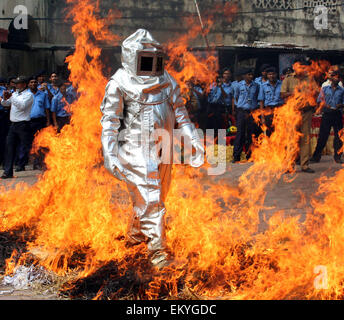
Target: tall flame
x=77 y=213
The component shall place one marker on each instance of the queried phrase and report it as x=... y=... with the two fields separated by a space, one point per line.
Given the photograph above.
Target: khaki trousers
x=305 y=141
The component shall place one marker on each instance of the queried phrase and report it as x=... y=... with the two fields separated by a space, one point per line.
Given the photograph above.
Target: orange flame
x=77 y=213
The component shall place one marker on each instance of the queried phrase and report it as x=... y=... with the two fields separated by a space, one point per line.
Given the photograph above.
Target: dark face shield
x=150 y=63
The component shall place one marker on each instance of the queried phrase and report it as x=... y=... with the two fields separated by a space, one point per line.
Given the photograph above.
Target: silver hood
x=141 y=40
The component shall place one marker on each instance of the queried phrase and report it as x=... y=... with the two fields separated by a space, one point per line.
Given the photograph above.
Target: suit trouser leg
x=147 y=223
x=305 y=141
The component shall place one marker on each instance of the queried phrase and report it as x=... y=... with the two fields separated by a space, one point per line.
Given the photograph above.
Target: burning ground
x=75 y=217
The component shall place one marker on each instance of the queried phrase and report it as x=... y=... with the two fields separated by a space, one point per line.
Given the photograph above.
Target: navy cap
x=271 y=69
x=20 y=79
x=243 y=71
x=286 y=70
x=264 y=67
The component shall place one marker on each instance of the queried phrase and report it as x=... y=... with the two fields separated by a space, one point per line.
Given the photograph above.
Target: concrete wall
x=294 y=26
x=164 y=18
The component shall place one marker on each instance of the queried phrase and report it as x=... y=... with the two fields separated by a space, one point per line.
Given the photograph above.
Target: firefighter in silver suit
x=142 y=98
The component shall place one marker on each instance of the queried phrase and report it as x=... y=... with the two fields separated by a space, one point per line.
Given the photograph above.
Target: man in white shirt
x=20 y=104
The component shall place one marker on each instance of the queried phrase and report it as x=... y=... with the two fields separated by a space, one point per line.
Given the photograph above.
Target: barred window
x=332 y=5
x=274 y=4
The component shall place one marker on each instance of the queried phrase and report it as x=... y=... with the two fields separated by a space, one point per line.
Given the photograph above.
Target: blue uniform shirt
x=259 y=81
x=271 y=95
x=40 y=104
x=215 y=95
x=59 y=104
x=200 y=90
x=72 y=92
x=52 y=90
x=233 y=86
x=227 y=87
x=246 y=95
x=331 y=97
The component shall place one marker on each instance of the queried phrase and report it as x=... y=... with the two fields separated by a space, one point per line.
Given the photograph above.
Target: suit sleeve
x=184 y=123
x=112 y=109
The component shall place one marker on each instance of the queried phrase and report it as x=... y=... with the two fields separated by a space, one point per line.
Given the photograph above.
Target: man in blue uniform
x=246 y=95
x=40 y=118
x=270 y=97
x=60 y=107
x=264 y=76
x=332 y=99
x=215 y=104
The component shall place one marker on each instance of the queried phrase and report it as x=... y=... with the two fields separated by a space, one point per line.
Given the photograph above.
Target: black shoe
x=308 y=170
x=235 y=160
x=5 y=176
x=20 y=169
x=339 y=160
x=289 y=171
x=314 y=160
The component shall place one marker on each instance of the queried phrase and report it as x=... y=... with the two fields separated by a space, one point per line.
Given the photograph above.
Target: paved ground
x=282 y=195
x=291 y=197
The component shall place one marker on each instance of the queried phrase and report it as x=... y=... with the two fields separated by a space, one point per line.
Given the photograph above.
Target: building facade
x=259 y=31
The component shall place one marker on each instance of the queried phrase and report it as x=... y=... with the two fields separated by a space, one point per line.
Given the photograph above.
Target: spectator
x=215 y=104
x=246 y=95
x=238 y=78
x=20 y=103
x=42 y=79
x=52 y=87
x=270 y=97
x=332 y=99
x=40 y=118
x=194 y=100
x=60 y=107
x=11 y=86
x=71 y=90
x=328 y=82
x=263 y=77
x=227 y=88
x=227 y=94
x=286 y=71
x=300 y=80
x=3 y=83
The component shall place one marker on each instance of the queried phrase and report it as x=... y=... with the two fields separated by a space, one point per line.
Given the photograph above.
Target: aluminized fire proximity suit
x=138 y=101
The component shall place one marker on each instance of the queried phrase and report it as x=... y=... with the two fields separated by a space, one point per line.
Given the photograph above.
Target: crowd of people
x=27 y=105
x=231 y=101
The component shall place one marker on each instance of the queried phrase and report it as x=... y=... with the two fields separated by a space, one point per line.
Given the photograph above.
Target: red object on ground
x=3 y=35
x=230 y=140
